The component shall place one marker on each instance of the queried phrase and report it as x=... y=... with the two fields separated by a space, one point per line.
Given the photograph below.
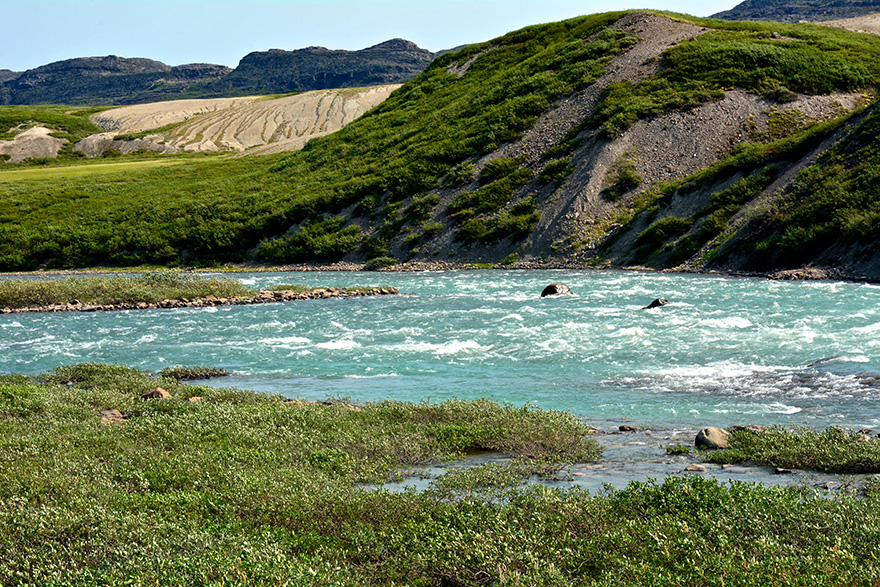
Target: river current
x=724 y=351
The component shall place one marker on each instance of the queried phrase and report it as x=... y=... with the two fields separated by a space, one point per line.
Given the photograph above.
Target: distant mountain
x=6 y=75
x=116 y=80
x=318 y=68
x=105 y=80
x=798 y=10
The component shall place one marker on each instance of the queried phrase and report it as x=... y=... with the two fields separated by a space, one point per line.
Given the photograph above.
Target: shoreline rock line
x=263 y=296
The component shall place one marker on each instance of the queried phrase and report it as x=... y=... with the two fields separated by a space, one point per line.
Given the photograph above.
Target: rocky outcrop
x=262 y=297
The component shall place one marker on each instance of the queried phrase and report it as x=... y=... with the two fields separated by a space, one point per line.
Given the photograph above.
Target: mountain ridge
x=112 y=80
x=793 y=11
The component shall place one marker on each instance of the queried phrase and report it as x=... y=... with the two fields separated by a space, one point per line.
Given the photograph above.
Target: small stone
x=627 y=428
x=156 y=393
x=111 y=417
x=781 y=471
x=195 y=399
x=695 y=468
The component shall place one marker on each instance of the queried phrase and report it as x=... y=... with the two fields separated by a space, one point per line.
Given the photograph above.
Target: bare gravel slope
x=252 y=124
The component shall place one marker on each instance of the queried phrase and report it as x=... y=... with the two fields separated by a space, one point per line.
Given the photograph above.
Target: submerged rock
x=656 y=304
x=556 y=289
x=712 y=437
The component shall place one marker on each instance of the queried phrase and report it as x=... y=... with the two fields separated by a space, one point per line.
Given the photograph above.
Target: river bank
x=800 y=274
x=263 y=296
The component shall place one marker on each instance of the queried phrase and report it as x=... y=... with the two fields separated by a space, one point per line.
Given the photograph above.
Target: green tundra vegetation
x=377 y=186
x=70 y=123
x=148 y=287
x=247 y=488
x=833 y=450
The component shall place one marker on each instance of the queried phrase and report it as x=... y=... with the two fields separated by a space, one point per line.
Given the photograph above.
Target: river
x=724 y=350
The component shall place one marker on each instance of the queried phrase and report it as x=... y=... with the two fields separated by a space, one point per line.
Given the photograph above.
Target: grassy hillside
x=446 y=166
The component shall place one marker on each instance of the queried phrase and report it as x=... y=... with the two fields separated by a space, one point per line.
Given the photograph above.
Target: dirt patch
x=860 y=24
x=34 y=143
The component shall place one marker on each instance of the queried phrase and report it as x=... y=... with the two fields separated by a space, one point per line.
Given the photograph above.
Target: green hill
x=625 y=138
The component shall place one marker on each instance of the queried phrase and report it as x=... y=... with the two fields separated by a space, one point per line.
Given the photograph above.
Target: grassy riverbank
x=244 y=488
x=116 y=289
x=832 y=450
x=150 y=289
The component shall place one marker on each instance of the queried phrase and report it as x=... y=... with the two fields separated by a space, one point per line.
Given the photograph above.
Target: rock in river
x=555 y=289
x=656 y=304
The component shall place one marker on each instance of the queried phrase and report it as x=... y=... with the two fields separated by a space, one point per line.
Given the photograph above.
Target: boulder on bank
x=156 y=393
x=556 y=289
x=713 y=438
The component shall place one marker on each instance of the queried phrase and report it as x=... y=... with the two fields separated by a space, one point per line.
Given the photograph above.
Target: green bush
x=662 y=231
x=323 y=239
x=377 y=263
x=556 y=171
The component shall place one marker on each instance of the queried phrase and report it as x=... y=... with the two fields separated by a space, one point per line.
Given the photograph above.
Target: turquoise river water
x=724 y=351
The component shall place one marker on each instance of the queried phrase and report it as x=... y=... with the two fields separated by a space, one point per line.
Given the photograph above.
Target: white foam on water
x=779 y=408
x=555 y=344
x=732 y=322
x=516 y=317
x=345 y=344
x=14 y=324
x=378 y=376
x=636 y=331
x=287 y=340
x=457 y=346
x=870 y=329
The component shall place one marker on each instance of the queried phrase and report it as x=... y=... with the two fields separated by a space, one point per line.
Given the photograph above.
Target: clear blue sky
x=37 y=32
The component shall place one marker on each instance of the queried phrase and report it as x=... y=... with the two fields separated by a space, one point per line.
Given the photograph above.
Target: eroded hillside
x=619 y=139
x=254 y=124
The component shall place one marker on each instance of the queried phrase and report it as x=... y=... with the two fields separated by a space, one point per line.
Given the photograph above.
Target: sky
x=37 y=32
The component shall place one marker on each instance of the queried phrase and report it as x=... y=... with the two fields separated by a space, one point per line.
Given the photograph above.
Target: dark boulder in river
x=555 y=289
x=656 y=304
